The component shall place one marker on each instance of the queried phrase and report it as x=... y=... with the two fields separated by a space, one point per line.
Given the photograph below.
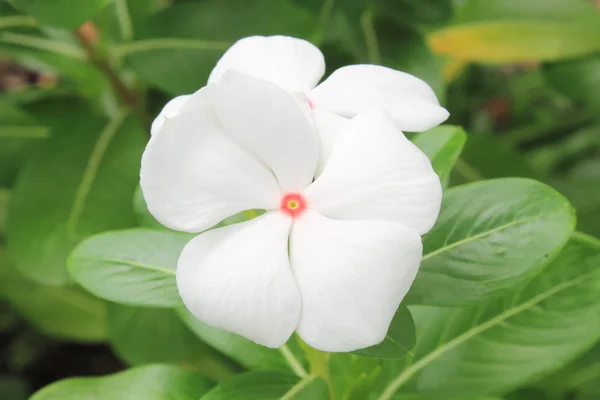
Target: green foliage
x=71 y=173
x=135 y=267
x=490 y=237
x=150 y=382
x=61 y=13
x=506 y=303
x=269 y=386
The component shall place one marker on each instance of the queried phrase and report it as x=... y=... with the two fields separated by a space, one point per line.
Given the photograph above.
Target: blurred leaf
x=398 y=342
x=249 y=354
x=406 y=50
x=559 y=10
x=67 y=312
x=515 y=41
x=417 y=11
x=184 y=42
x=487 y=157
x=67 y=14
x=150 y=382
x=4 y=199
x=150 y=335
x=508 y=342
x=269 y=386
x=141 y=211
x=135 y=267
x=578 y=79
x=443 y=146
x=489 y=237
x=19 y=131
x=13 y=388
x=80 y=183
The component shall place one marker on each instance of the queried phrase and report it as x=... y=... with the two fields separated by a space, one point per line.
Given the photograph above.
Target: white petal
x=359 y=88
x=330 y=127
x=170 y=110
x=194 y=176
x=293 y=64
x=238 y=278
x=352 y=277
x=375 y=173
x=268 y=122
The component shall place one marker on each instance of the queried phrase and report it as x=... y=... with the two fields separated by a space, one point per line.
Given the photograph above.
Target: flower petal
x=268 y=122
x=170 y=110
x=352 y=90
x=238 y=278
x=293 y=64
x=375 y=173
x=193 y=176
x=352 y=277
x=330 y=127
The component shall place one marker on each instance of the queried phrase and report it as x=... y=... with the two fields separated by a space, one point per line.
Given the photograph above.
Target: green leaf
x=61 y=13
x=135 y=267
x=443 y=146
x=182 y=44
x=13 y=388
x=558 y=10
x=487 y=157
x=406 y=50
x=489 y=237
x=399 y=340
x=578 y=79
x=516 y=41
x=417 y=11
x=19 y=131
x=507 y=342
x=353 y=377
x=79 y=183
x=66 y=312
x=269 y=386
x=153 y=335
x=249 y=354
x=150 y=382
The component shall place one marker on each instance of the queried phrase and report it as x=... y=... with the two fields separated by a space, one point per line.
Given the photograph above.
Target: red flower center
x=293 y=204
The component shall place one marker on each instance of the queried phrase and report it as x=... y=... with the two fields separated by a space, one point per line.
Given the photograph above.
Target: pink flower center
x=293 y=204
x=311 y=104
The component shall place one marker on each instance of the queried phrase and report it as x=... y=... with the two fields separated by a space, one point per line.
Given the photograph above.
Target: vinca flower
x=332 y=257
x=297 y=66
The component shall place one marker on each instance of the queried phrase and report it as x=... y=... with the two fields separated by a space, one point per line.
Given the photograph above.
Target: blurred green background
x=521 y=76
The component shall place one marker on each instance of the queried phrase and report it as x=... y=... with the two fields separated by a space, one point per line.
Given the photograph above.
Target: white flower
x=330 y=259
x=297 y=66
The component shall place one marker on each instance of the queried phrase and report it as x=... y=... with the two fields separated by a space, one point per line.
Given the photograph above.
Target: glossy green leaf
x=135 y=267
x=287 y=358
x=65 y=312
x=443 y=146
x=153 y=335
x=269 y=386
x=578 y=79
x=508 y=342
x=67 y=14
x=509 y=41
x=182 y=44
x=79 y=183
x=398 y=342
x=150 y=382
x=489 y=237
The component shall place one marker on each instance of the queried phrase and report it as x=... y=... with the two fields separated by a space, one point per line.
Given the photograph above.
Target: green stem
x=368 y=27
x=319 y=365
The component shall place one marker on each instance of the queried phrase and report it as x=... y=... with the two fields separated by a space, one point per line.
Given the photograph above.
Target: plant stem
x=127 y=96
x=367 y=23
x=319 y=365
